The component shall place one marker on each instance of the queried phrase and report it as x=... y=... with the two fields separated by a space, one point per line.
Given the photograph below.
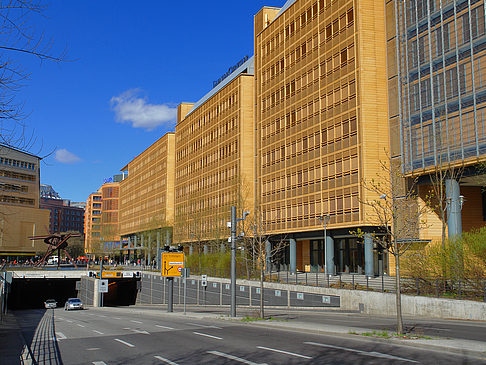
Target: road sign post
x=172 y=266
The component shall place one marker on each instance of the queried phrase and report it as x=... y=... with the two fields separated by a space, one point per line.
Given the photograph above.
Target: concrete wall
x=153 y=291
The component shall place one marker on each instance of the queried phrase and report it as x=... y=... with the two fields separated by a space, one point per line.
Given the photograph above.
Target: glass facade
x=440 y=50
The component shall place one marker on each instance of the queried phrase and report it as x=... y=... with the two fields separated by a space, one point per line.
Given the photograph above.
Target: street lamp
x=233 y=223
x=324 y=221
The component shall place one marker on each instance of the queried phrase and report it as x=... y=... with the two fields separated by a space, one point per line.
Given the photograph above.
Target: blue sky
x=131 y=64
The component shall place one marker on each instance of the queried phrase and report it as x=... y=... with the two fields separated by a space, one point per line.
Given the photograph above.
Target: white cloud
x=64 y=156
x=130 y=107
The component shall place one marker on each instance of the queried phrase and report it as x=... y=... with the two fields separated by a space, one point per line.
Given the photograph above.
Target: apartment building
x=321 y=118
x=63 y=216
x=214 y=158
x=20 y=214
x=436 y=74
x=147 y=194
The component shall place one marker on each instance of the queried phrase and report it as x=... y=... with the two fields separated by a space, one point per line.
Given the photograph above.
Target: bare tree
x=398 y=213
x=261 y=250
x=17 y=37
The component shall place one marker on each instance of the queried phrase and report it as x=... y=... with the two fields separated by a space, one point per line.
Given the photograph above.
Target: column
x=129 y=246
x=368 y=255
x=268 y=256
x=454 y=203
x=191 y=249
x=293 y=255
x=150 y=250
x=158 y=250
x=330 y=268
x=205 y=250
x=135 y=251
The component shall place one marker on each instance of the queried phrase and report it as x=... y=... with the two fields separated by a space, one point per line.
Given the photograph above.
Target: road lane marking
x=205 y=334
x=62 y=319
x=284 y=352
x=140 y=331
x=80 y=325
x=135 y=321
x=101 y=315
x=99 y=363
x=203 y=326
x=366 y=353
x=98 y=332
x=165 y=360
x=125 y=343
x=160 y=326
x=117 y=318
x=93 y=349
x=69 y=321
x=232 y=357
x=60 y=336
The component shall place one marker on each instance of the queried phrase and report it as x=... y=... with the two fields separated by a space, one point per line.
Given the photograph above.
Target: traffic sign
x=103 y=288
x=172 y=263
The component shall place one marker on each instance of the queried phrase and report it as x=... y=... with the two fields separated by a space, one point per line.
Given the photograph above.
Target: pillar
x=205 y=250
x=191 y=249
x=158 y=251
x=368 y=255
x=150 y=250
x=268 y=256
x=454 y=203
x=330 y=268
x=129 y=246
x=293 y=255
x=223 y=247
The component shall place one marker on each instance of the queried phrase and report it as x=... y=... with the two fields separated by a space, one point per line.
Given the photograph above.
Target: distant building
x=64 y=217
x=20 y=214
x=92 y=219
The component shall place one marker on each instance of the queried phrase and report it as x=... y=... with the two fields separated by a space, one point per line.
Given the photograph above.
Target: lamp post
x=233 y=223
x=324 y=221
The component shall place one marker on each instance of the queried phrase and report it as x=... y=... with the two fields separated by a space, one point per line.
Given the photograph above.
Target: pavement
x=15 y=331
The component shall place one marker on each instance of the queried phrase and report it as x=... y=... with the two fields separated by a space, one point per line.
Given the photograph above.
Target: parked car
x=73 y=303
x=50 y=303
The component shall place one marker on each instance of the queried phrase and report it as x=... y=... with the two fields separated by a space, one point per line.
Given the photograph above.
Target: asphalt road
x=114 y=336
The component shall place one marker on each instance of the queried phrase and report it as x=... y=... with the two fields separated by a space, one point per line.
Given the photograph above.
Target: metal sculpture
x=55 y=242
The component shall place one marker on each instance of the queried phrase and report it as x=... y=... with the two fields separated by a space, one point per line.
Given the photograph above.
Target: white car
x=50 y=303
x=73 y=303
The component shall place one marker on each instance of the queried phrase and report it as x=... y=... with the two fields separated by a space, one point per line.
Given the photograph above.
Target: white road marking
x=135 y=321
x=165 y=360
x=366 y=353
x=101 y=315
x=93 y=349
x=62 y=319
x=98 y=332
x=125 y=343
x=80 y=325
x=117 y=318
x=204 y=334
x=140 y=331
x=69 y=321
x=167 y=328
x=60 y=336
x=99 y=363
x=203 y=326
x=231 y=357
x=284 y=352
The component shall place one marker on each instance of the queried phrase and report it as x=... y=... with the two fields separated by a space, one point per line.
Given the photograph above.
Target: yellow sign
x=172 y=263
x=110 y=274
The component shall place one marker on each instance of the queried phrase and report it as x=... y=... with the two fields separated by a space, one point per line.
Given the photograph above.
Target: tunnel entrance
x=32 y=293
x=122 y=291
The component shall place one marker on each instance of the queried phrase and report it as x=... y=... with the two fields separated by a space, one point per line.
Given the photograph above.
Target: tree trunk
x=398 y=291
x=262 y=315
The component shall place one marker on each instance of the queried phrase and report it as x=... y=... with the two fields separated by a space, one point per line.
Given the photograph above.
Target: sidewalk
x=295 y=321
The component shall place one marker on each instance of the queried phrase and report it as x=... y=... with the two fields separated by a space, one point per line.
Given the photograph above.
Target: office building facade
x=322 y=128
x=437 y=73
x=20 y=214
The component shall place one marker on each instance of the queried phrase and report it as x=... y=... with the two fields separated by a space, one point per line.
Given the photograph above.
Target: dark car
x=73 y=303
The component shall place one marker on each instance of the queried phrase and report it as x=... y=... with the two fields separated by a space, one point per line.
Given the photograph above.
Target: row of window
x=212 y=136
x=153 y=155
x=14 y=187
x=443 y=38
x=17 y=163
x=16 y=200
x=226 y=104
x=17 y=175
x=332 y=29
